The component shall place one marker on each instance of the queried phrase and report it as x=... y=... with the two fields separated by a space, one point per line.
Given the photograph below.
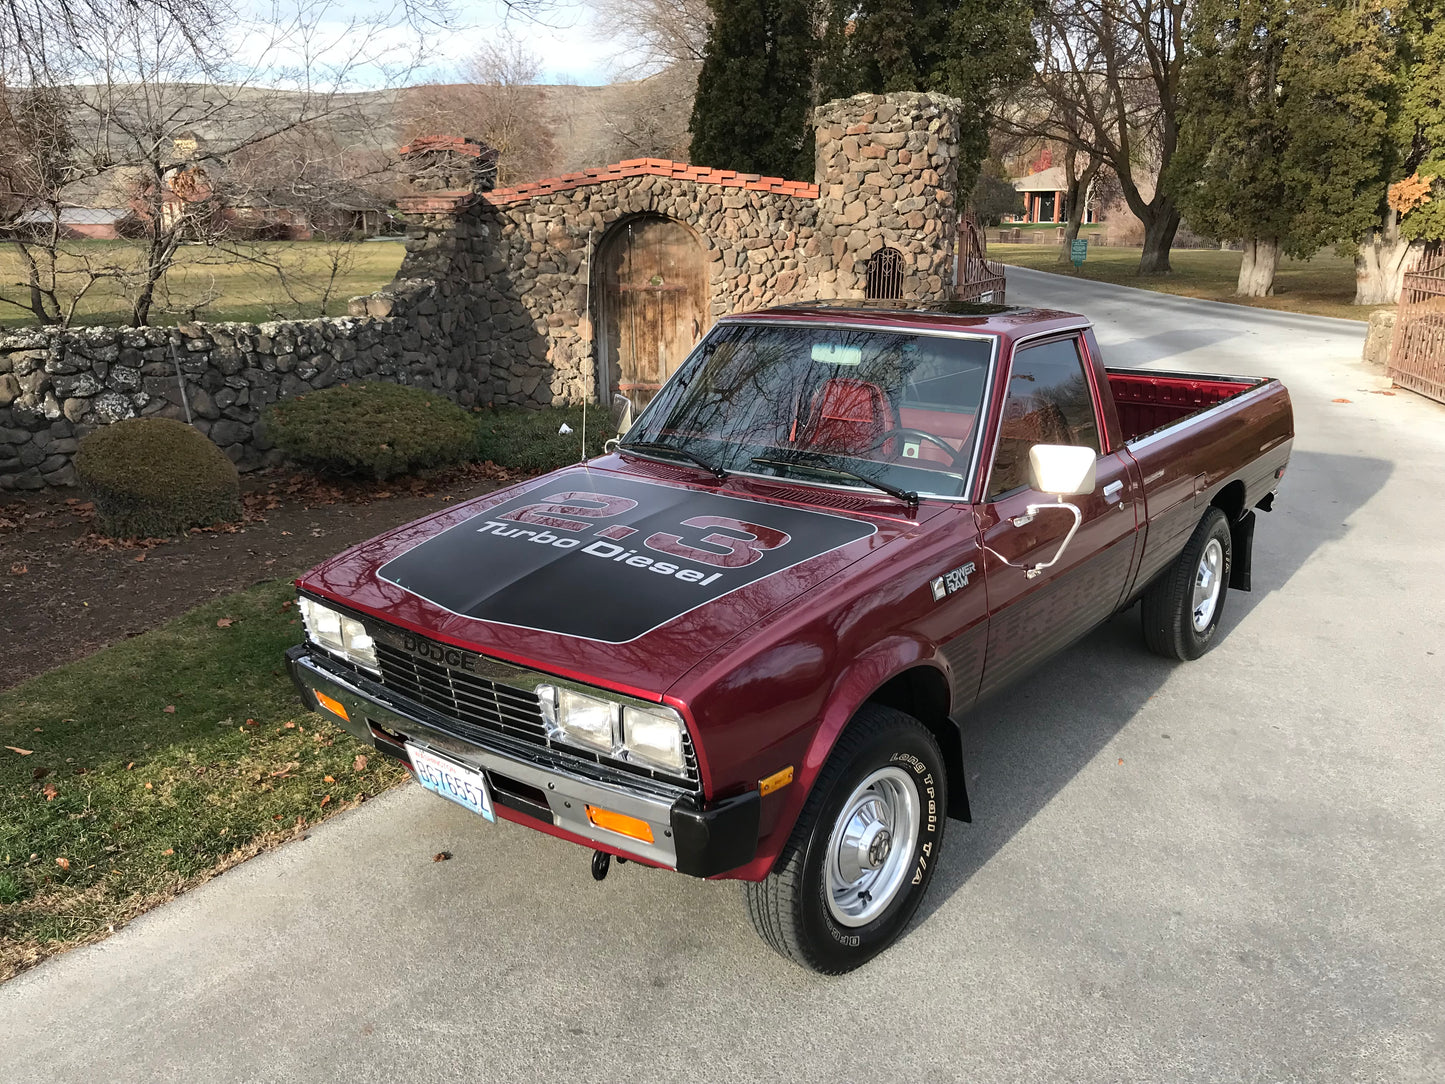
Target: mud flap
x=1241 y=538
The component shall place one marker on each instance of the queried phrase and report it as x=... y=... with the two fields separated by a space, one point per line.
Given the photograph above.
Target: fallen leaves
x=168 y=851
x=286 y=770
x=169 y=709
x=327 y=779
x=63 y=863
x=17 y=749
x=325 y=801
x=441 y=856
x=50 y=791
x=359 y=764
x=18 y=569
x=1339 y=400
x=225 y=622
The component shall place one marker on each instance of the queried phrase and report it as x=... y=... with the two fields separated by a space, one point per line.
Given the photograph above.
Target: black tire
x=1168 y=604
x=791 y=907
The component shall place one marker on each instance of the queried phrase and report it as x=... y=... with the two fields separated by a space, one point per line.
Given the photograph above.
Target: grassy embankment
x=219 y=285
x=157 y=763
x=1322 y=286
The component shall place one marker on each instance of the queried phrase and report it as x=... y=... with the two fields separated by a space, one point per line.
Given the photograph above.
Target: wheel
x=1181 y=608
x=863 y=851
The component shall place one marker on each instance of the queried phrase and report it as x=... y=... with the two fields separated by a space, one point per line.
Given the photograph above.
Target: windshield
x=836 y=405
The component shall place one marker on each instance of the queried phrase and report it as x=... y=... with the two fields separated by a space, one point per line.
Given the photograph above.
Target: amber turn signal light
x=776 y=781
x=620 y=823
x=331 y=704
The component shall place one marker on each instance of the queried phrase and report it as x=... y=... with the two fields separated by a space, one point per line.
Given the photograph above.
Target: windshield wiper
x=657 y=446
x=905 y=495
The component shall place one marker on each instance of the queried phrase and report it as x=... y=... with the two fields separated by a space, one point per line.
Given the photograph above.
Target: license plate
x=463 y=785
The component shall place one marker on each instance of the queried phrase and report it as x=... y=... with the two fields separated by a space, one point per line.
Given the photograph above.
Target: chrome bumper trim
x=567 y=793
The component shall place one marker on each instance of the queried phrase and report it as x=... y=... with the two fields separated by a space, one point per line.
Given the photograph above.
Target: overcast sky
x=564 y=38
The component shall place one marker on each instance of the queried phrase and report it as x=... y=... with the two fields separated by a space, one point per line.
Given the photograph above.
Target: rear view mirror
x=621 y=414
x=1062 y=469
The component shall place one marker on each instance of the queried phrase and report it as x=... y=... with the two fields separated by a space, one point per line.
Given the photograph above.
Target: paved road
x=1231 y=870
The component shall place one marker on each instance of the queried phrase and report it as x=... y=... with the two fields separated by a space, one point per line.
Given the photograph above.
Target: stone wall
x=491 y=302
x=56 y=385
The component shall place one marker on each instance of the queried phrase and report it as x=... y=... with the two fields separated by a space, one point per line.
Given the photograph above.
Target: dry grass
x=214 y=284
x=1322 y=286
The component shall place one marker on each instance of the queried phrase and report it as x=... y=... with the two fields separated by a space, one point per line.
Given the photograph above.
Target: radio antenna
x=592 y=364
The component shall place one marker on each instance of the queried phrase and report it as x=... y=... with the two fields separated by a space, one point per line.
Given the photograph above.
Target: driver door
x=1050 y=400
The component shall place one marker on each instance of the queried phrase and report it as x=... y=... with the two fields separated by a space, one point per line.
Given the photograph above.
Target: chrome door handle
x=1112 y=491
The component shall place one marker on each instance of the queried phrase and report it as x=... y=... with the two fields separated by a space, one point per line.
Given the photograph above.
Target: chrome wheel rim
x=871 y=846
x=1207 y=583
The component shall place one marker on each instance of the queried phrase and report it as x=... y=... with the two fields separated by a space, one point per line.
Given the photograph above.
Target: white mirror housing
x=1062 y=469
x=621 y=413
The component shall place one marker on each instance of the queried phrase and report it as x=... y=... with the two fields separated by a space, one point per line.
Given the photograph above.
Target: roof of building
x=1045 y=180
x=77 y=216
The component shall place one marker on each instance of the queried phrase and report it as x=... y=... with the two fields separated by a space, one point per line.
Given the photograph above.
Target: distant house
x=98 y=223
x=1046 y=197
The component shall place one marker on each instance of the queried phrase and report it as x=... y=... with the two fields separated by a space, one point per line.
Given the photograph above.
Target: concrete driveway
x=1229 y=870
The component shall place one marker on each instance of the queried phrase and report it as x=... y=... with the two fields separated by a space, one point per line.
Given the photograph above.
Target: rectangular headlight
x=578 y=718
x=345 y=637
x=653 y=736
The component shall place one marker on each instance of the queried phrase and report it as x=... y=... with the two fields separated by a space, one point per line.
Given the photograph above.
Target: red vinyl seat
x=849 y=417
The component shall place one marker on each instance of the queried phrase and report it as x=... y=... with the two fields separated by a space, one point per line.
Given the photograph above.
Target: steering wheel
x=953 y=456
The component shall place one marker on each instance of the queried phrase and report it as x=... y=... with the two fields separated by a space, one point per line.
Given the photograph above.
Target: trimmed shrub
x=156 y=477
x=372 y=430
x=527 y=440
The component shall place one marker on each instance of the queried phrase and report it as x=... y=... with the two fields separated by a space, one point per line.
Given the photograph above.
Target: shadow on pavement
x=1024 y=745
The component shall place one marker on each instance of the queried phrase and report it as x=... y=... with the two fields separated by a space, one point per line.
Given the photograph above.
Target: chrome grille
x=477 y=708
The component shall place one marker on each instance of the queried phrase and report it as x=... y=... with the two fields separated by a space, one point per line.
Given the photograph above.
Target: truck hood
x=605 y=577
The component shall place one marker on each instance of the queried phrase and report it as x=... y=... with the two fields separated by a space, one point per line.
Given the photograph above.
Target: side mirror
x=1062 y=469
x=621 y=414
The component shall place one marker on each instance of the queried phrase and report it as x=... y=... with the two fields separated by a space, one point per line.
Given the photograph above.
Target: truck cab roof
x=1004 y=321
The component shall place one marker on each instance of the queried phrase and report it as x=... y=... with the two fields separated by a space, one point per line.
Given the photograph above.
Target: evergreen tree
x=1229 y=169
x=974 y=50
x=1420 y=126
x=1284 y=127
x=754 y=92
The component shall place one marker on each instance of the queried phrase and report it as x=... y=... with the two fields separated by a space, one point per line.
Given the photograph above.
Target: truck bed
x=1147 y=400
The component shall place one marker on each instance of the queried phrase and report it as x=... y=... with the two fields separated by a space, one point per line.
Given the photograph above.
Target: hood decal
x=607 y=558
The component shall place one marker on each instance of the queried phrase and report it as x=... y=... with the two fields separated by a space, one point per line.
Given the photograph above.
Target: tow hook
x=602 y=862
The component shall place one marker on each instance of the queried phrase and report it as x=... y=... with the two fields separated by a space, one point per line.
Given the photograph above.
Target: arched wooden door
x=653 y=280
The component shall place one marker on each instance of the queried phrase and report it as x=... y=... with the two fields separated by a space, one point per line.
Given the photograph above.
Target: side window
x=1048 y=403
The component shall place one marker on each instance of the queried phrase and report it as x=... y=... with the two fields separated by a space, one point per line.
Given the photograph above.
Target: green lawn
x=245 y=284
x=157 y=762
x=1323 y=286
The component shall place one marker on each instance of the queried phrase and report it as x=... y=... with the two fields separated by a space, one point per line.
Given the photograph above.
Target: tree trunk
x=1159 y=230
x=1382 y=261
x=1257 y=268
x=1078 y=190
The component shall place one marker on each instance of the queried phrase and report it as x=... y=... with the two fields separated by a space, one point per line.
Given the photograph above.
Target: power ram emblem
x=951 y=581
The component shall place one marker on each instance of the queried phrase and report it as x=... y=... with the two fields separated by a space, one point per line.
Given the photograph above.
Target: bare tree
x=651 y=120
x=163 y=126
x=498 y=102
x=1107 y=84
x=658 y=33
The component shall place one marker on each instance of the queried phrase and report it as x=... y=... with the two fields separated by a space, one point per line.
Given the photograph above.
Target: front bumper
x=691 y=837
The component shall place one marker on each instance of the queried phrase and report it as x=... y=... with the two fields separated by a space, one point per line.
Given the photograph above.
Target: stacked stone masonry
x=491 y=302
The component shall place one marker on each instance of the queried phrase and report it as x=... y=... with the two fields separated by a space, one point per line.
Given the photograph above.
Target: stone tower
x=886 y=167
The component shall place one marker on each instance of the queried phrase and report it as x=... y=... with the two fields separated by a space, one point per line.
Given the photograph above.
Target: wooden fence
x=1417 y=353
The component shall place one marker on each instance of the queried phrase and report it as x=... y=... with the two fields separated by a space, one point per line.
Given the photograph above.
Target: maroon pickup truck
x=742 y=644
